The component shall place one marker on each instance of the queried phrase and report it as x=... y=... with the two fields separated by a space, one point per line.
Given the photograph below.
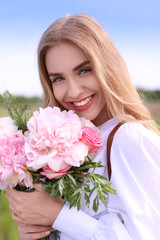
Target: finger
x=34 y=236
x=10 y=190
x=17 y=218
x=38 y=187
x=12 y=194
x=16 y=209
x=12 y=208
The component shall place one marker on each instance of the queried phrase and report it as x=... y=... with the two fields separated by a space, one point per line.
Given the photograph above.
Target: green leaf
x=79 y=202
x=51 y=188
x=87 y=188
x=87 y=165
x=92 y=191
x=61 y=187
x=15 y=109
x=108 y=189
x=74 y=200
x=102 y=196
x=96 y=204
x=86 y=197
x=73 y=181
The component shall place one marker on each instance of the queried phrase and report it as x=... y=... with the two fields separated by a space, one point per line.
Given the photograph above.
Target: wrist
x=54 y=210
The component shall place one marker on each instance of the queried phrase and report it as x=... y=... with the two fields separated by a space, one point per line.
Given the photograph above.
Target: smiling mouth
x=83 y=102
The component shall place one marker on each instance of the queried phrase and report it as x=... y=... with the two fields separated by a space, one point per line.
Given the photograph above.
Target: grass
x=8 y=228
x=154 y=107
x=3 y=112
x=158 y=121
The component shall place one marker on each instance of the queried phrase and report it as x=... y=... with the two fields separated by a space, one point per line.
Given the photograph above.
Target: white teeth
x=78 y=104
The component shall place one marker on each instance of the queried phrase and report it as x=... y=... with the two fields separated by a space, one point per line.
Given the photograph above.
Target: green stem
x=10 y=112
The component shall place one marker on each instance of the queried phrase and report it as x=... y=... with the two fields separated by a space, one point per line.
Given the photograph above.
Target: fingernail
x=47 y=233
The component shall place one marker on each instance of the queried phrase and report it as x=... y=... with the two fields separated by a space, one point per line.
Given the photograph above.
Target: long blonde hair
x=122 y=99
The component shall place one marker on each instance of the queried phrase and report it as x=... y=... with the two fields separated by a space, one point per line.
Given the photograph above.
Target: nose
x=74 y=88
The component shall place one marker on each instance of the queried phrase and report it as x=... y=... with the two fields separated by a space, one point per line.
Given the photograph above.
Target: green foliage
x=149 y=95
x=31 y=101
x=80 y=182
x=16 y=110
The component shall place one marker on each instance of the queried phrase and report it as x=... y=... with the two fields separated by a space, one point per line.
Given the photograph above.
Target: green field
x=8 y=228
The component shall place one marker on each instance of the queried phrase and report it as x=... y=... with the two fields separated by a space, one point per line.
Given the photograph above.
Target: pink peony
x=54 y=139
x=13 y=161
x=50 y=127
x=7 y=127
x=92 y=138
x=49 y=173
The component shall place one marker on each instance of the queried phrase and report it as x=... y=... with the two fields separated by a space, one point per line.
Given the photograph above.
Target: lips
x=84 y=104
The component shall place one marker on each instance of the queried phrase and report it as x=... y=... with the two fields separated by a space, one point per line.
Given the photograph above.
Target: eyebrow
x=80 y=65
x=74 y=69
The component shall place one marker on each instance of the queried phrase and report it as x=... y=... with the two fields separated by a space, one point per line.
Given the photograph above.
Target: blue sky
x=134 y=27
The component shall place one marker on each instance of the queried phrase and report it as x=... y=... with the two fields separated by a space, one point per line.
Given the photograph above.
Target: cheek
x=95 y=84
x=58 y=93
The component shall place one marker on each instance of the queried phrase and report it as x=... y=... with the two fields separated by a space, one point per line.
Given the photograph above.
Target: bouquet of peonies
x=54 y=148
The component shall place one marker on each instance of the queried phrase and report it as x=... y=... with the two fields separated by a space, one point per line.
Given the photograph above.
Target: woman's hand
x=34 y=208
x=29 y=232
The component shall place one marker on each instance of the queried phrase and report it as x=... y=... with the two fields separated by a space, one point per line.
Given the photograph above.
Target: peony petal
x=77 y=154
x=49 y=173
x=28 y=181
x=79 y=151
x=41 y=162
x=57 y=163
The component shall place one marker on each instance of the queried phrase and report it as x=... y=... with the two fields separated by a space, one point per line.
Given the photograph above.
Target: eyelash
x=85 y=70
x=81 y=72
x=58 y=79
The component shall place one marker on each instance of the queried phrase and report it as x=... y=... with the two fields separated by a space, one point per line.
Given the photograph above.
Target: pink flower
x=92 y=138
x=7 y=127
x=13 y=161
x=50 y=127
x=54 y=139
x=49 y=173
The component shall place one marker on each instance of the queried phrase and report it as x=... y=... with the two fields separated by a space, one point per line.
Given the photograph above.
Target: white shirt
x=134 y=212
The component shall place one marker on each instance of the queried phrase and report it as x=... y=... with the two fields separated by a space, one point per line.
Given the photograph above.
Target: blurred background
x=134 y=27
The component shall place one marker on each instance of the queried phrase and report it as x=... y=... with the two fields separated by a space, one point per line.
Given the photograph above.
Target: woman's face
x=75 y=85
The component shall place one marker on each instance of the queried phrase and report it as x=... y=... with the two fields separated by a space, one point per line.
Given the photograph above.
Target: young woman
x=80 y=69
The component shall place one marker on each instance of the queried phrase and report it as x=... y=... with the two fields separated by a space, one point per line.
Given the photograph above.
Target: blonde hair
x=122 y=99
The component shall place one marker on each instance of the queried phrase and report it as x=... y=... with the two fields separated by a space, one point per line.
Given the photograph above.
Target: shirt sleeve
x=135 y=160
x=78 y=225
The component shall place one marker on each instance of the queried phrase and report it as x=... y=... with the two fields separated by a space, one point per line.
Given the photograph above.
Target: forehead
x=64 y=55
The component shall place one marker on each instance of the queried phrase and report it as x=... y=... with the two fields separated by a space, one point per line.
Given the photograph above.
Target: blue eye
x=86 y=70
x=58 y=79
